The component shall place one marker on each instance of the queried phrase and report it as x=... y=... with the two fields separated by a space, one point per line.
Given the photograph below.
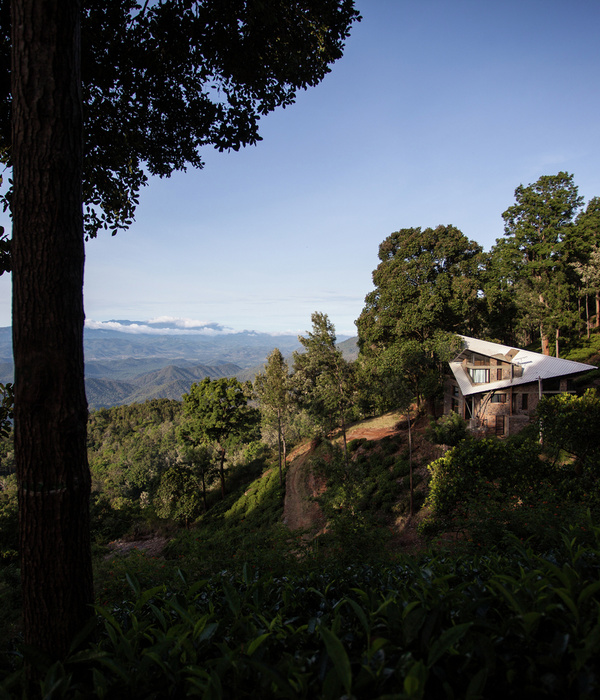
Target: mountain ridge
x=123 y=367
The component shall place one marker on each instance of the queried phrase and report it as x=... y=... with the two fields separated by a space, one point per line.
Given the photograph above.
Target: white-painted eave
x=535 y=366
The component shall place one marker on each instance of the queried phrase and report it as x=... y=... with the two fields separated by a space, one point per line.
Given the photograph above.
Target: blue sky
x=438 y=110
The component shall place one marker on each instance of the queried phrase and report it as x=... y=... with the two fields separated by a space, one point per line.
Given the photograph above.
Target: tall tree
x=583 y=245
x=323 y=380
x=273 y=390
x=536 y=227
x=50 y=404
x=162 y=79
x=218 y=414
x=427 y=287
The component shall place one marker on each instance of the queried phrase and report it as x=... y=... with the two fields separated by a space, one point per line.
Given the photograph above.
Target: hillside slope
x=169 y=382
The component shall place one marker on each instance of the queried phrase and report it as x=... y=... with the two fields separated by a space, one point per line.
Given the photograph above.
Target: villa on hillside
x=496 y=388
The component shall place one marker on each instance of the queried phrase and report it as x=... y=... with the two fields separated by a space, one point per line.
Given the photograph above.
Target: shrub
x=448 y=430
x=461 y=625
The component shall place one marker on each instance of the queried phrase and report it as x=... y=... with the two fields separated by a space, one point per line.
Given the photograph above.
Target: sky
x=437 y=111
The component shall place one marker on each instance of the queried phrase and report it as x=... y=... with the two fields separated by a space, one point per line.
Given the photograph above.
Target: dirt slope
x=301 y=486
x=300 y=511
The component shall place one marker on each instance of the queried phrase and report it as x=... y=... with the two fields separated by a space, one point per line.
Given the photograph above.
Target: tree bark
x=544 y=341
x=222 y=470
x=48 y=257
x=279 y=445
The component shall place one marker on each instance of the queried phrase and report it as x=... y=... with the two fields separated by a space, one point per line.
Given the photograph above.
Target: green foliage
x=426 y=281
x=274 y=392
x=359 y=499
x=7 y=401
x=445 y=625
x=217 y=414
x=537 y=227
x=217 y=411
x=570 y=423
x=178 y=496
x=129 y=447
x=486 y=490
x=447 y=430
x=323 y=380
x=8 y=519
x=426 y=290
x=158 y=86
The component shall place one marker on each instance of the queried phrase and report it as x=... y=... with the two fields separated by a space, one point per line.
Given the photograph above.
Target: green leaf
x=414 y=682
x=256 y=643
x=339 y=657
x=476 y=685
x=446 y=641
x=360 y=613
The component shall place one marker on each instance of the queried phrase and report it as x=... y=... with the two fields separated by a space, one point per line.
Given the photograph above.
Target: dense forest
x=441 y=565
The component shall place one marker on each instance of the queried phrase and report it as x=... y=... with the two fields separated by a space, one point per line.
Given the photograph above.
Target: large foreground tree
x=50 y=405
x=160 y=81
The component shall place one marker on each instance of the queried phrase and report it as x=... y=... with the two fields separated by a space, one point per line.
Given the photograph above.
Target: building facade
x=496 y=388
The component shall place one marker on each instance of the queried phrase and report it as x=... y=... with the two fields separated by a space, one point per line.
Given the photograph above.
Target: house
x=496 y=387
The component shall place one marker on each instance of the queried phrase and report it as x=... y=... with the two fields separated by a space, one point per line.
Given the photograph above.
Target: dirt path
x=300 y=512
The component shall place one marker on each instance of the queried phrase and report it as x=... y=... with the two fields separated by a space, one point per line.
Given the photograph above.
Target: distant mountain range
x=135 y=361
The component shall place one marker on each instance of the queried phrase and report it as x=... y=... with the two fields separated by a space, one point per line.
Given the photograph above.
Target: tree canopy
x=427 y=280
x=218 y=413
x=162 y=80
x=536 y=227
x=323 y=380
x=273 y=389
x=427 y=287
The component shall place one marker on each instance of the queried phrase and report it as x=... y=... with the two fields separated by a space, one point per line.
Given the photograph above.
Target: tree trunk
x=343 y=421
x=587 y=314
x=222 y=470
x=545 y=342
x=279 y=444
x=557 y=337
x=48 y=256
x=410 y=464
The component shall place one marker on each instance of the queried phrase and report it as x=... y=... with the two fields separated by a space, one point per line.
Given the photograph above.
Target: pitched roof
x=535 y=366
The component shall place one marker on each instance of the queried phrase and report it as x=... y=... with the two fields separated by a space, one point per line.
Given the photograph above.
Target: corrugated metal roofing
x=535 y=366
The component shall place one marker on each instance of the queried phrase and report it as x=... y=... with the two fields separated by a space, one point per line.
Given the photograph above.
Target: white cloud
x=164 y=325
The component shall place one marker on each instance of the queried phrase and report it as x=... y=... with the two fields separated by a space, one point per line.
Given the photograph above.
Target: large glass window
x=479 y=376
x=499 y=398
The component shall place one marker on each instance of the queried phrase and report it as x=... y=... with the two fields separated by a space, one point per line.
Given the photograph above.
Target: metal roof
x=535 y=366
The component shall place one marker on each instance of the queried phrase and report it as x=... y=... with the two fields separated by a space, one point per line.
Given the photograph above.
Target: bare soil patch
x=300 y=510
x=152 y=545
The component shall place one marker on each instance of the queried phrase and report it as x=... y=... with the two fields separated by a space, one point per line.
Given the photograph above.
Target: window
x=479 y=376
x=498 y=375
x=524 y=401
x=551 y=385
x=499 y=398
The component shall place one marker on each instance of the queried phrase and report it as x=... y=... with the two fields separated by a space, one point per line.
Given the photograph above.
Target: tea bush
x=518 y=624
